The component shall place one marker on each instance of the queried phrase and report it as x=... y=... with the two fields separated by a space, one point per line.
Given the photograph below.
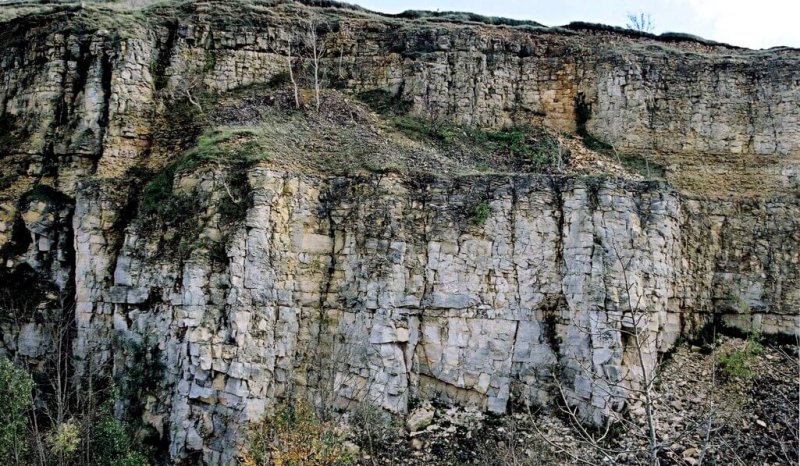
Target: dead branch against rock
x=631 y=324
x=192 y=100
x=316 y=49
x=289 y=65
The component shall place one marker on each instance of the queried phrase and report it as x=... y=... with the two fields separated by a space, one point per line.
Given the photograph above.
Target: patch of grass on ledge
x=528 y=148
x=225 y=146
x=233 y=149
x=641 y=165
x=632 y=162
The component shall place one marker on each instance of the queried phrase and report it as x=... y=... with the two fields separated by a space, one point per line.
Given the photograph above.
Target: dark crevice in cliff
x=61 y=111
x=19 y=243
x=555 y=308
x=556 y=188
x=513 y=232
x=164 y=58
x=326 y=341
x=103 y=121
x=550 y=312
x=83 y=63
x=125 y=215
x=517 y=88
x=426 y=225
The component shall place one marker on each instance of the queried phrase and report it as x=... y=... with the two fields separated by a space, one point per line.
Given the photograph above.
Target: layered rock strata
x=384 y=288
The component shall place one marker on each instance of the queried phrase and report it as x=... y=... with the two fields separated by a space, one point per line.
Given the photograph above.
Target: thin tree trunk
x=291 y=73
x=710 y=419
x=651 y=424
x=636 y=316
x=36 y=434
x=313 y=35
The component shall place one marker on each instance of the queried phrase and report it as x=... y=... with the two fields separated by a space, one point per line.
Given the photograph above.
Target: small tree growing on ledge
x=289 y=67
x=317 y=49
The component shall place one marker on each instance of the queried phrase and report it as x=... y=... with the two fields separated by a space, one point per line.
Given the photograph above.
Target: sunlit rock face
x=383 y=287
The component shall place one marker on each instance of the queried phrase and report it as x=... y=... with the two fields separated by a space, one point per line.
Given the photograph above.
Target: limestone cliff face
x=384 y=287
x=381 y=289
x=88 y=102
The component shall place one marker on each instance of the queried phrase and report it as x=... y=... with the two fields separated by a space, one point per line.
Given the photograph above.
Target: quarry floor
x=752 y=412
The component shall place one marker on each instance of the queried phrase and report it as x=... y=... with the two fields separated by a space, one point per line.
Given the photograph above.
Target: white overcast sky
x=755 y=24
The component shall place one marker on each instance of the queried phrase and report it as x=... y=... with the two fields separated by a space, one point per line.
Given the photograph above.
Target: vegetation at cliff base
x=33 y=433
x=740 y=362
x=16 y=399
x=295 y=436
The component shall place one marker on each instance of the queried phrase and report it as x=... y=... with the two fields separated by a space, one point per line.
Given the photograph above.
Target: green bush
x=110 y=441
x=157 y=193
x=16 y=387
x=65 y=439
x=740 y=363
x=294 y=437
x=112 y=445
x=480 y=213
x=210 y=61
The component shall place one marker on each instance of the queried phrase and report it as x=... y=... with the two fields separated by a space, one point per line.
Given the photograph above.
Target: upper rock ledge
x=710 y=113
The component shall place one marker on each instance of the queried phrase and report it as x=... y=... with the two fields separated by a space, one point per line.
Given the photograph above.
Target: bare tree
x=62 y=401
x=289 y=67
x=641 y=22
x=637 y=385
x=339 y=384
x=317 y=50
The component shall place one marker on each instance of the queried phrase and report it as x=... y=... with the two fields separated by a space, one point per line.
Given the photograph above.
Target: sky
x=754 y=24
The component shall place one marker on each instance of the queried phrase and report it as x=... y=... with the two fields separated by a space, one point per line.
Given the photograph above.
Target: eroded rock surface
x=353 y=289
x=385 y=287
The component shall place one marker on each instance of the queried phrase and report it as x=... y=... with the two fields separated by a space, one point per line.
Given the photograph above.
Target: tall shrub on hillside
x=15 y=400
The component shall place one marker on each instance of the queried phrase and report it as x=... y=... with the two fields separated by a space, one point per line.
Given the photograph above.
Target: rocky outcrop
x=385 y=288
x=88 y=102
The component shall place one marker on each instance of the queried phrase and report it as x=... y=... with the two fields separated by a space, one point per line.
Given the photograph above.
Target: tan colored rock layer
x=380 y=288
x=89 y=103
